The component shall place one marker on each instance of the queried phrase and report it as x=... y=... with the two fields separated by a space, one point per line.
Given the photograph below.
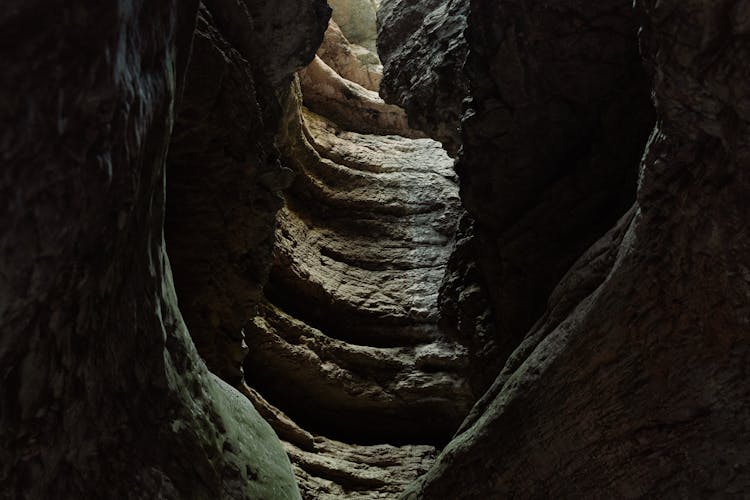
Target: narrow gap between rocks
x=343 y=349
x=350 y=342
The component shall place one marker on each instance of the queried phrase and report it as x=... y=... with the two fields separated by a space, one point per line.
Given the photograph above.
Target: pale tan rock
x=353 y=62
x=358 y=20
x=348 y=362
x=349 y=104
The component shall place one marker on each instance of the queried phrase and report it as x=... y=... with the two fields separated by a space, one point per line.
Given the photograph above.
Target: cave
x=368 y=249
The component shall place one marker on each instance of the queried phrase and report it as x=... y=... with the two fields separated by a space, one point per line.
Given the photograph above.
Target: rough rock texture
x=224 y=176
x=357 y=19
x=102 y=392
x=347 y=354
x=352 y=323
x=422 y=46
x=633 y=382
x=557 y=120
x=349 y=61
x=331 y=470
x=350 y=104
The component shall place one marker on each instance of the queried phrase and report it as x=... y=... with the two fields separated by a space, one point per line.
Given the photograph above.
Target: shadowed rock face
x=225 y=176
x=103 y=393
x=422 y=46
x=631 y=382
x=558 y=118
x=556 y=122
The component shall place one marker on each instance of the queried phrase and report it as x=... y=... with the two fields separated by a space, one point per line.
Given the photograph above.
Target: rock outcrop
x=225 y=176
x=552 y=135
x=103 y=393
x=357 y=19
x=350 y=104
x=423 y=48
x=602 y=320
x=349 y=61
x=348 y=361
x=630 y=383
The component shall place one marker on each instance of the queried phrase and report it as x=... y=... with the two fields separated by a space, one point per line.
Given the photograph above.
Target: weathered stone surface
x=357 y=19
x=423 y=49
x=633 y=384
x=349 y=104
x=350 y=61
x=103 y=394
x=278 y=37
x=347 y=350
x=556 y=122
x=352 y=324
x=329 y=469
x=224 y=176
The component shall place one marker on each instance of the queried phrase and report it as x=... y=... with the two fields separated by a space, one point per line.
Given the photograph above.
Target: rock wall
x=348 y=361
x=225 y=176
x=103 y=392
x=349 y=61
x=357 y=19
x=552 y=134
x=628 y=380
x=422 y=46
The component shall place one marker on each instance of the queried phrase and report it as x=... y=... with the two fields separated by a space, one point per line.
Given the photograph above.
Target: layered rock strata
x=350 y=104
x=347 y=346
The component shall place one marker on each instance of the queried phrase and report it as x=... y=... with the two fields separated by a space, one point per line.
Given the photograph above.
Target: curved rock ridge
x=352 y=318
x=348 y=361
x=351 y=61
x=350 y=104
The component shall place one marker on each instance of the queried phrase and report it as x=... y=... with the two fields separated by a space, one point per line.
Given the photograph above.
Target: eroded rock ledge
x=345 y=353
x=348 y=343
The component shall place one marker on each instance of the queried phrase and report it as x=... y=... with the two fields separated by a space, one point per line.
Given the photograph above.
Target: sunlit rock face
x=350 y=104
x=350 y=61
x=348 y=344
x=347 y=358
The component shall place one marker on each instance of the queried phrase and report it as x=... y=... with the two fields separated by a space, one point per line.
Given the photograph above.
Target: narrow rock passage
x=348 y=361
